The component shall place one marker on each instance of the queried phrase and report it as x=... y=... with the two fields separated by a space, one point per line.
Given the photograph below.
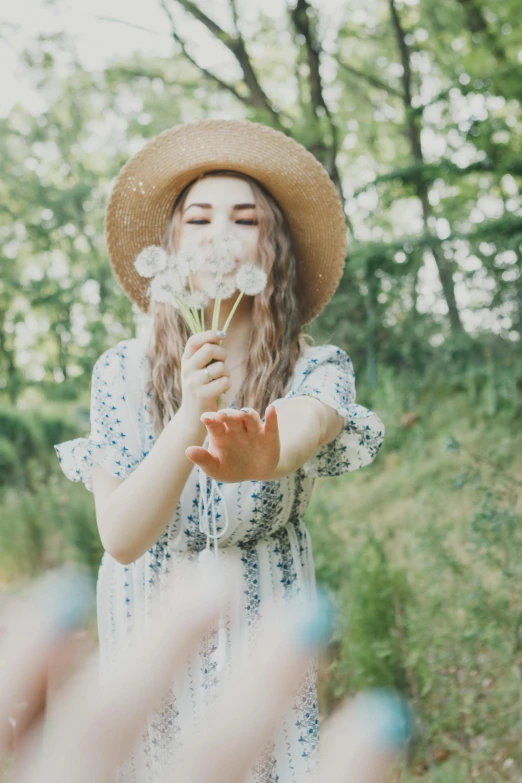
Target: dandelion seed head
x=165 y=286
x=219 y=289
x=151 y=260
x=197 y=299
x=191 y=258
x=251 y=280
x=230 y=243
x=222 y=254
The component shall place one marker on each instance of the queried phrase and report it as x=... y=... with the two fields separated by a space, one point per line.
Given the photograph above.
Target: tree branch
x=411 y=124
x=301 y=21
x=422 y=188
x=477 y=24
x=403 y=49
x=374 y=81
x=128 y=24
x=257 y=97
x=208 y=74
x=235 y=15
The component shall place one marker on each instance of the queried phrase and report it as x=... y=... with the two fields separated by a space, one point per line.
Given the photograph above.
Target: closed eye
x=239 y=222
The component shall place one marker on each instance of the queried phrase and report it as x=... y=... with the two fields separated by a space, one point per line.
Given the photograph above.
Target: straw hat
x=147 y=186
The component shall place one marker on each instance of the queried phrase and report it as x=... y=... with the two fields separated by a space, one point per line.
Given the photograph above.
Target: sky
x=99 y=38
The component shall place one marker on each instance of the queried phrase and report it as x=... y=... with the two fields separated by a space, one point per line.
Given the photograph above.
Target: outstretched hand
x=241 y=447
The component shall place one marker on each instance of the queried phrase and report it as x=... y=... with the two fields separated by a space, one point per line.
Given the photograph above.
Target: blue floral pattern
x=266 y=534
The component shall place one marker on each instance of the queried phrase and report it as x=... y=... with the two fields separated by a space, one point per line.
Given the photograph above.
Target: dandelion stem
x=187 y=315
x=194 y=310
x=233 y=311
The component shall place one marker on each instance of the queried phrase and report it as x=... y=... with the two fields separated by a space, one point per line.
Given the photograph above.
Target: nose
x=219 y=228
x=220 y=225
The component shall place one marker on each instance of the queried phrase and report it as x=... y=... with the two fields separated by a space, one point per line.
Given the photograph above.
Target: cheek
x=252 y=243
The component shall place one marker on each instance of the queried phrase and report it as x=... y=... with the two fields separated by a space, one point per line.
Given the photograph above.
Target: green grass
x=410 y=528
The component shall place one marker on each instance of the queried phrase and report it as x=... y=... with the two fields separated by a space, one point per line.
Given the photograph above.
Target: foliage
x=428 y=582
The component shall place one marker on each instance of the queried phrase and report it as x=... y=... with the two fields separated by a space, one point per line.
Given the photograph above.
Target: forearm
x=137 y=512
x=301 y=431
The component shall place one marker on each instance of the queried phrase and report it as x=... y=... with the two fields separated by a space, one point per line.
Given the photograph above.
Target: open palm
x=241 y=447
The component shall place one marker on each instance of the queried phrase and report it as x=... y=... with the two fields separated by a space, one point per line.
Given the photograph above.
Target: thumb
x=201 y=457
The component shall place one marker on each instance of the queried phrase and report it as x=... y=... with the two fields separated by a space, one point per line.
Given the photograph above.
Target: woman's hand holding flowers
x=241 y=447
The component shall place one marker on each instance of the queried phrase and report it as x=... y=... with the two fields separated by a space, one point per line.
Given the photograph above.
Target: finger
x=364 y=738
x=203 y=458
x=282 y=653
x=37 y=624
x=251 y=420
x=213 y=424
x=95 y=727
x=231 y=418
x=197 y=341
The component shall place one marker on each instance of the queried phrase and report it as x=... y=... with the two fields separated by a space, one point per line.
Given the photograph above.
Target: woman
x=149 y=399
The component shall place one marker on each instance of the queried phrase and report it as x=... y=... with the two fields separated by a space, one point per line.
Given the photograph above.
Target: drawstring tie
x=219 y=655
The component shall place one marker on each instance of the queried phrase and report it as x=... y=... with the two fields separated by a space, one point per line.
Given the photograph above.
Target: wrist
x=272 y=475
x=190 y=423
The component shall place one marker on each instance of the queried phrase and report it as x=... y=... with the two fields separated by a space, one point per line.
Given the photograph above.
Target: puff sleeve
x=327 y=375
x=114 y=441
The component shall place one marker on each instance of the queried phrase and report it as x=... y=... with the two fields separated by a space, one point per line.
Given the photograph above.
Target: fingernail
x=390 y=714
x=221 y=333
x=315 y=629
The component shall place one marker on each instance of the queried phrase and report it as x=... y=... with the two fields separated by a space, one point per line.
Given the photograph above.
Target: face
x=215 y=206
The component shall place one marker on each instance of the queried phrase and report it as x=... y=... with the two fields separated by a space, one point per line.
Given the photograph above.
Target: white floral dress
x=264 y=531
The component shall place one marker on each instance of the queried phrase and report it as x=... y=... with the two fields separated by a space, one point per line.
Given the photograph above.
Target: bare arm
x=305 y=424
x=132 y=514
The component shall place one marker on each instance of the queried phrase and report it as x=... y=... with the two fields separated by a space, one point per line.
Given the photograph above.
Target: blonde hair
x=276 y=341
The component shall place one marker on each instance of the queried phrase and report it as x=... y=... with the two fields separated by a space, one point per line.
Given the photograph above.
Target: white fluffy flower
x=151 y=260
x=191 y=259
x=220 y=289
x=222 y=256
x=181 y=266
x=197 y=299
x=166 y=285
x=251 y=280
x=231 y=243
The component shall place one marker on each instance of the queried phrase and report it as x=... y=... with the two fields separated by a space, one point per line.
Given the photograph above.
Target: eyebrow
x=235 y=208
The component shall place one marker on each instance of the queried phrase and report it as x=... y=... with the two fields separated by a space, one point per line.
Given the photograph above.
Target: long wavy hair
x=277 y=340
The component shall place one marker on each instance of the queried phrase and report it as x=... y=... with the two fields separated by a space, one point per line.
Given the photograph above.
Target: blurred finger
x=36 y=624
x=273 y=672
x=364 y=738
x=96 y=728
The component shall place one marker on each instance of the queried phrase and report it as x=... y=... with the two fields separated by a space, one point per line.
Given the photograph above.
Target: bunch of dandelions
x=170 y=274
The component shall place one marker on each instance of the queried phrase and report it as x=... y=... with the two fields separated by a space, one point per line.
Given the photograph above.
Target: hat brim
x=146 y=188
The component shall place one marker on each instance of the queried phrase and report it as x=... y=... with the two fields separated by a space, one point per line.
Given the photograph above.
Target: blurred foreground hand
x=93 y=729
